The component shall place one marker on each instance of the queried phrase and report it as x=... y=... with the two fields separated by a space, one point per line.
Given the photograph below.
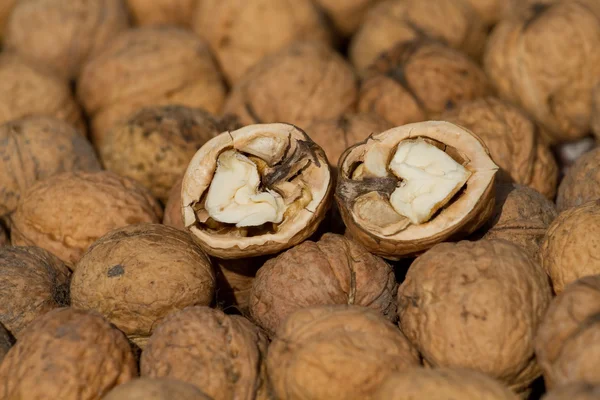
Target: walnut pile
x=581 y=182
x=156 y=389
x=575 y=391
x=161 y=12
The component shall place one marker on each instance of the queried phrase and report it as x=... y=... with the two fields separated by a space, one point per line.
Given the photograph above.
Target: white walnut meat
x=581 y=182
x=161 y=12
x=6 y=342
x=254 y=191
x=35 y=148
x=567 y=345
x=66 y=213
x=575 y=391
x=569 y=249
x=347 y=15
x=221 y=354
x=34 y=282
x=303 y=82
x=336 y=352
x=333 y=270
x=136 y=275
x=402 y=191
x=476 y=305
x=67 y=354
x=156 y=389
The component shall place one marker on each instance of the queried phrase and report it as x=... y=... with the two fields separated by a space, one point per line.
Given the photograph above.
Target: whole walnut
x=418 y=80
x=234 y=282
x=156 y=389
x=66 y=213
x=514 y=142
x=581 y=182
x=299 y=84
x=148 y=66
x=569 y=249
x=35 y=148
x=347 y=15
x=138 y=274
x=218 y=353
x=161 y=12
x=476 y=305
x=333 y=270
x=67 y=354
x=173 y=215
x=6 y=342
x=63 y=34
x=336 y=352
x=575 y=391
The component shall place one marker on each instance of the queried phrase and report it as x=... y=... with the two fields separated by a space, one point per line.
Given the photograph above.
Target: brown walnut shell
x=581 y=182
x=575 y=391
x=347 y=15
x=161 y=12
x=6 y=342
x=6 y=7
x=156 y=389
x=492 y=11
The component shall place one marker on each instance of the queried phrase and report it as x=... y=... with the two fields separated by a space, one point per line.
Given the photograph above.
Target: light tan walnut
x=581 y=182
x=161 y=12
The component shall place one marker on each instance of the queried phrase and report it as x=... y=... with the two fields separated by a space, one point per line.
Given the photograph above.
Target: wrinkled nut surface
x=347 y=15
x=575 y=391
x=476 y=305
x=6 y=342
x=333 y=270
x=418 y=80
x=336 y=352
x=35 y=148
x=97 y=202
x=408 y=188
x=156 y=389
x=570 y=247
x=581 y=182
x=67 y=354
x=33 y=283
x=136 y=275
x=258 y=190
x=220 y=354
x=567 y=345
x=234 y=282
x=303 y=82
x=161 y=12
x=514 y=142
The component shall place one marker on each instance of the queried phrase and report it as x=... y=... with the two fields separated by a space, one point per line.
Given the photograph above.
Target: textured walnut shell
x=156 y=389
x=293 y=157
x=35 y=148
x=452 y=22
x=138 y=274
x=161 y=12
x=567 y=342
x=6 y=7
x=304 y=82
x=67 y=354
x=513 y=140
x=148 y=66
x=6 y=342
x=462 y=216
x=241 y=33
x=33 y=283
x=570 y=248
x=234 y=282
x=575 y=391
x=79 y=30
x=541 y=60
x=66 y=213
x=155 y=145
x=333 y=270
x=581 y=182
x=418 y=80
x=476 y=305
x=569 y=152
x=220 y=354
x=173 y=211
x=347 y=15
x=335 y=352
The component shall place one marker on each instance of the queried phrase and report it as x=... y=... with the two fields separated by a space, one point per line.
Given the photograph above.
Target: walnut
x=6 y=342
x=173 y=211
x=569 y=152
x=234 y=282
x=581 y=182
x=4 y=241
x=492 y=11
x=347 y=15
x=6 y=8
x=162 y=12
x=156 y=389
x=575 y=391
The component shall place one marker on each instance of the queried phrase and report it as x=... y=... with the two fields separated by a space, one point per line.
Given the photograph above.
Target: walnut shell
x=301 y=83
x=35 y=148
x=336 y=352
x=148 y=66
x=67 y=354
x=138 y=274
x=570 y=248
x=6 y=8
x=418 y=80
x=155 y=389
x=333 y=270
x=66 y=213
x=347 y=15
x=234 y=282
x=581 y=182
x=492 y=11
x=220 y=354
x=78 y=31
x=476 y=305
x=161 y=12
x=173 y=211
x=575 y=391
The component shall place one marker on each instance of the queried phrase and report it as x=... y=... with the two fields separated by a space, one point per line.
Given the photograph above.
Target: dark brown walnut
x=155 y=145
x=476 y=305
x=514 y=142
x=336 y=352
x=540 y=59
x=6 y=342
x=570 y=247
x=173 y=215
x=161 y=12
x=67 y=354
x=36 y=148
x=156 y=389
x=567 y=345
x=406 y=189
x=575 y=391
x=301 y=83
x=33 y=283
x=148 y=66
x=66 y=213
x=79 y=30
x=581 y=182
x=347 y=15
x=234 y=282
x=136 y=275
x=256 y=191
x=333 y=270
x=218 y=353
x=418 y=80
x=241 y=33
